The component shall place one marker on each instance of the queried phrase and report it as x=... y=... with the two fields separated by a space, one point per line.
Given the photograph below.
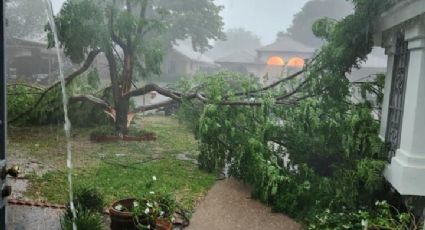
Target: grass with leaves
x=118 y=170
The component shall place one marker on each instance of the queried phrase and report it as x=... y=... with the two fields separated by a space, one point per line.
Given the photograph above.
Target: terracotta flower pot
x=122 y=220
x=163 y=224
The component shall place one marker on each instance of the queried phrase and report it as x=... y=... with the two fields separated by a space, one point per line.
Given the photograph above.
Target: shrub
x=89 y=208
x=89 y=199
x=86 y=220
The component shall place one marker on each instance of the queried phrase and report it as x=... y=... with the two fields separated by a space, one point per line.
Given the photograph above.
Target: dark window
x=397 y=96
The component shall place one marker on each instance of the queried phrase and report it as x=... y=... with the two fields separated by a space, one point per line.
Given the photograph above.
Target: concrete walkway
x=32 y=218
x=228 y=207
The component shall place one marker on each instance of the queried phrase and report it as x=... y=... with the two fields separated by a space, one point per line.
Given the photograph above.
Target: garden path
x=228 y=206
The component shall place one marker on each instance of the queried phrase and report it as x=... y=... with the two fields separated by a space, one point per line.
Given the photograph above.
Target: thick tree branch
x=91 y=99
x=118 y=40
x=89 y=60
x=145 y=108
x=154 y=87
x=205 y=101
x=249 y=103
x=201 y=98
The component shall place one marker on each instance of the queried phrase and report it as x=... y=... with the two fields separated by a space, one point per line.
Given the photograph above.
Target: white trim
x=400 y=13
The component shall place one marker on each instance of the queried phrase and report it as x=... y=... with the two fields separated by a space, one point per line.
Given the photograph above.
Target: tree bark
x=121 y=104
x=122 y=109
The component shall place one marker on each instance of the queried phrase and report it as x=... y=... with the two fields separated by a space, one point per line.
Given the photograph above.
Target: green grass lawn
x=118 y=170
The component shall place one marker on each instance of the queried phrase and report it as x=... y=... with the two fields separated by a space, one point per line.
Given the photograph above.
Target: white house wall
x=406 y=172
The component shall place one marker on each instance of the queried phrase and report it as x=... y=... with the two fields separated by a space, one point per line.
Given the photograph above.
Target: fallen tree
x=244 y=98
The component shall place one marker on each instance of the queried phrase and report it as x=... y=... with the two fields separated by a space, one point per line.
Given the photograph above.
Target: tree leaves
x=81 y=28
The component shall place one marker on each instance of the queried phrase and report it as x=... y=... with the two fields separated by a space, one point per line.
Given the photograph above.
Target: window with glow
x=296 y=62
x=275 y=61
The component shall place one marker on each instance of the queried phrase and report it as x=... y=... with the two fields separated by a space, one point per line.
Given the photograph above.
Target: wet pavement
x=228 y=206
x=19 y=187
x=32 y=218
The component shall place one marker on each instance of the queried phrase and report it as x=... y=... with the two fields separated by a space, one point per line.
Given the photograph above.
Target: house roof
x=26 y=42
x=286 y=44
x=246 y=56
x=29 y=44
x=188 y=52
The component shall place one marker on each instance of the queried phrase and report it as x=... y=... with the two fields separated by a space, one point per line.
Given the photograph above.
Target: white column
x=407 y=169
x=389 y=46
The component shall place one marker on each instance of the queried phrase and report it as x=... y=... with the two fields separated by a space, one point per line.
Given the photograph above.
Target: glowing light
x=275 y=61
x=296 y=62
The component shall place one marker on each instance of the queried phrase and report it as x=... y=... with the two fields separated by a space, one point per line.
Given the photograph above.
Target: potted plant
x=152 y=211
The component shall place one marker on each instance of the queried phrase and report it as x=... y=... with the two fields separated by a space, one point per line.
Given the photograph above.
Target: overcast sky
x=263 y=17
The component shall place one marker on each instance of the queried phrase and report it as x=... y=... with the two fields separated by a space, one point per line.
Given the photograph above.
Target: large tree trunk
x=121 y=110
x=121 y=85
x=119 y=102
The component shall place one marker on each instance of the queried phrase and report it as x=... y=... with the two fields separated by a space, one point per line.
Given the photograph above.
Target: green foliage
x=22 y=98
x=335 y=156
x=323 y=27
x=89 y=198
x=133 y=35
x=323 y=139
x=319 y=153
x=85 y=30
x=86 y=25
x=89 y=208
x=85 y=114
x=105 y=130
x=86 y=220
x=116 y=181
x=151 y=207
x=328 y=138
x=328 y=220
x=375 y=87
x=380 y=217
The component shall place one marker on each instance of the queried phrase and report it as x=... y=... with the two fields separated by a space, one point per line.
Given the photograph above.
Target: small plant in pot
x=152 y=211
